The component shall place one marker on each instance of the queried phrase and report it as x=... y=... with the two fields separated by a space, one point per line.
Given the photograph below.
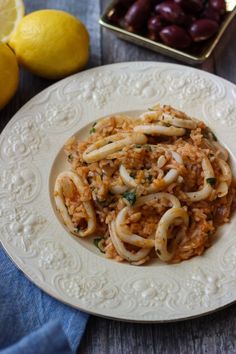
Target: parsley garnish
x=211 y=181
x=147 y=147
x=130 y=197
x=138 y=146
x=99 y=243
x=94 y=124
x=92 y=130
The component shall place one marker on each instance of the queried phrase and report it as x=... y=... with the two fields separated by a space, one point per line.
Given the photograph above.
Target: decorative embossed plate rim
x=65 y=267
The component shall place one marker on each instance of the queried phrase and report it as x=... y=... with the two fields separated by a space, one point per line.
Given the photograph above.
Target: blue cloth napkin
x=31 y=322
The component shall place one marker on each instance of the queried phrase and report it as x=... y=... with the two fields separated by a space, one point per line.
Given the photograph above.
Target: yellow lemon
x=51 y=43
x=9 y=74
x=11 y=12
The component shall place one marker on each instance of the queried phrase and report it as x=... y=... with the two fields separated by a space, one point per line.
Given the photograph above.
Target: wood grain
x=211 y=334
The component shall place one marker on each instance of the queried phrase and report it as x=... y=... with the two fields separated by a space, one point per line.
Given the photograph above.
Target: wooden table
x=211 y=334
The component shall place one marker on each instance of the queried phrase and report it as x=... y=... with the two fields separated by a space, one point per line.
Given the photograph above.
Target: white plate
x=72 y=270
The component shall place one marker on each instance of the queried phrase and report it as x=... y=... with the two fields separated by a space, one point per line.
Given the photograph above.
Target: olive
x=211 y=14
x=171 y=12
x=218 y=5
x=137 y=15
x=175 y=36
x=155 y=24
x=203 y=29
x=189 y=19
x=155 y=2
x=116 y=13
x=192 y=6
x=126 y=3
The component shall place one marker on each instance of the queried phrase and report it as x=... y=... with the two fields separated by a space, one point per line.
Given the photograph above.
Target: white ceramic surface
x=72 y=270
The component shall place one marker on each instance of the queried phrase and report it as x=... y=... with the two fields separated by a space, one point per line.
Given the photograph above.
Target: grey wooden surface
x=215 y=333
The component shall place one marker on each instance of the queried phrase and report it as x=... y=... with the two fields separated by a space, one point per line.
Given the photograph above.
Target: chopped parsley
x=147 y=147
x=94 y=124
x=150 y=109
x=211 y=181
x=92 y=130
x=99 y=243
x=130 y=197
x=110 y=142
x=138 y=146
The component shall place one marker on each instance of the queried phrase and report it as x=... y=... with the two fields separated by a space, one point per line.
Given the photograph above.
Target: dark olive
x=203 y=29
x=211 y=14
x=191 y=6
x=189 y=19
x=137 y=15
x=218 y=5
x=116 y=13
x=175 y=36
x=156 y=2
x=171 y=12
x=126 y=3
x=155 y=24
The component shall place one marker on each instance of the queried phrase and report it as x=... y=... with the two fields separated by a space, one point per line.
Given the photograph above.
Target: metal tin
x=191 y=56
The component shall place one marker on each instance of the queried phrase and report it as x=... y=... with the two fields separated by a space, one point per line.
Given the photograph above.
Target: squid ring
x=111 y=144
x=169 y=178
x=122 y=251
x=223 y=186
x=60 y=204
x=157 y=129
x=207 y=188
x=126 y=236
x=161 y=236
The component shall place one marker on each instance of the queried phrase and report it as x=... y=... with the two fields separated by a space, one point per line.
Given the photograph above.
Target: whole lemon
x=9 y=74
x=51 y=43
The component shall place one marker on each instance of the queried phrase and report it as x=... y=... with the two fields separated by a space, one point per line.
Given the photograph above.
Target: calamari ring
x=128 y=237
x=111 y=144
x=157 y=196
x=170 y=119
x=169 y=178
x=223 y=186
x=134 y=239
x=161 y=236
x=60 y=204
x=178 y=122
x=122 y=251
x=157 y=129
x=207 y=189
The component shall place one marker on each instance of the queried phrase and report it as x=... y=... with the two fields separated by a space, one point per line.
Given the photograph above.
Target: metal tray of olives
x=195 y=54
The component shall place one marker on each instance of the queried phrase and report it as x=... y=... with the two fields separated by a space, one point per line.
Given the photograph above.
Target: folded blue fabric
x=31 y=321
